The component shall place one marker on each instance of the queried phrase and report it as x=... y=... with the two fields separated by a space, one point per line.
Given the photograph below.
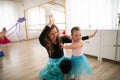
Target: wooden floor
x=24 y=60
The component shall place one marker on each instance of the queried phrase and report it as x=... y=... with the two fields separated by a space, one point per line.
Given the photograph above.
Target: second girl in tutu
x=80 y=65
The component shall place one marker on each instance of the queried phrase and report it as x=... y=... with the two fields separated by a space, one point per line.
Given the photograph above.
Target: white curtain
x=8 y=14
x=101 y=14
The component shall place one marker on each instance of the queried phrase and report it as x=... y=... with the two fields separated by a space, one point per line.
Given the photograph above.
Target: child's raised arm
x=92 y=35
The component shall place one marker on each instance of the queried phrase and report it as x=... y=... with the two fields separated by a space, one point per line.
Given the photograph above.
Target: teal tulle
x=80 y=66
x=52 y=70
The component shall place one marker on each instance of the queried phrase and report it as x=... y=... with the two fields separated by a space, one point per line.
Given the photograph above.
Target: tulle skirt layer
x=52 y=70
x=80 y=66
x=1 y=54
x=4 y=41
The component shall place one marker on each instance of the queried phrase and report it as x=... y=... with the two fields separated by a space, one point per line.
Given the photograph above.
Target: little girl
x=80 y=65
x=3 y=38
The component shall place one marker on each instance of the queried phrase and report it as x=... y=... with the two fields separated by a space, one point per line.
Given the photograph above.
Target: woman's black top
x=58 y=53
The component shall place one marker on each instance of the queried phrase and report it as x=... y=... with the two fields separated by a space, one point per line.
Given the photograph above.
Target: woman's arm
x=66 y=39
x=51 y=20
x=43 y=35
x=46 y=30
x=85 y=38
x=89 y=36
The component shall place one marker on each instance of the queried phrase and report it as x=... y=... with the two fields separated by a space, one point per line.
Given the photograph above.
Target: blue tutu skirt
x=80 y=66
x=52 y=70
x=1 y=53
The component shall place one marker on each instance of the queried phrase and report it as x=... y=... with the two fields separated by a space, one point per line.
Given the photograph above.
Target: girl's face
x=76 y=35
x=4 y=31
x=53 y=34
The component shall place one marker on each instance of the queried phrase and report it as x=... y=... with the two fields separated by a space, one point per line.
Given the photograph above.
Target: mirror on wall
x=37 y=17
x=56 y=8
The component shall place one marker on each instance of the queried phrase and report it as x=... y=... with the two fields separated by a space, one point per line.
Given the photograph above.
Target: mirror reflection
x=37 y=17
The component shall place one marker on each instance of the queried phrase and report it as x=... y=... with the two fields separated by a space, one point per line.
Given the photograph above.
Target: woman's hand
x=51 y=20
x=62 y=45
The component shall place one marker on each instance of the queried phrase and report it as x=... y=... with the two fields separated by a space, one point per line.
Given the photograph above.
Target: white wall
x=68 y=17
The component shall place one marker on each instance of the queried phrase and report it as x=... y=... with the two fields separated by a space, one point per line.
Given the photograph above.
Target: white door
x=118 y=48
x=108 y=43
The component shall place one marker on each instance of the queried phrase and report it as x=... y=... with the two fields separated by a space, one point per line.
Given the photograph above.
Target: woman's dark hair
x=49 y=41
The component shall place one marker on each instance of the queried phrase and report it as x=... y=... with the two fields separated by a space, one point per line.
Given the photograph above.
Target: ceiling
x=11 y=0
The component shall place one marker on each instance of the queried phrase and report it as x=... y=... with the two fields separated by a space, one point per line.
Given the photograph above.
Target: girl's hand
x=92 y=35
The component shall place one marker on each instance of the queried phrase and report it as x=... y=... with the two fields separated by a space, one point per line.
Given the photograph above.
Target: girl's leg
x=66 y=77
x=71 y=77
x=77 y=78
x=80 y=78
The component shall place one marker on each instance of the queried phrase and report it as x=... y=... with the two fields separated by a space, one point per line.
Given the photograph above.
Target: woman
x=49 y=38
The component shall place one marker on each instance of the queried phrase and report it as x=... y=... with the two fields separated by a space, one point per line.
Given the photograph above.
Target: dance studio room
x=59 y=39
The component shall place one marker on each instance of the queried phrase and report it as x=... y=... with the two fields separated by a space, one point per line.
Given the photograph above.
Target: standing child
x=80 y=65
x=3 y=38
